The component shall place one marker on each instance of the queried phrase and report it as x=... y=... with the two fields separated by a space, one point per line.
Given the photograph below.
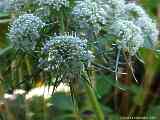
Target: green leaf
x=65 y=117
x=5 y=50
x=139 y=98
x=102 y=85
x=105 y=84
x=114 y=116
x=154 y=111
x=62 y=102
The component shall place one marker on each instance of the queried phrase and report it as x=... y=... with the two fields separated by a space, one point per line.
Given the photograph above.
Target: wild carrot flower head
x=149 y=29
x=54 y=4
x=116 y=8
x=89 y=13
x=25 y=31
x=66 y=52
x=129 y=36
x=17 y=5
x=141 y=19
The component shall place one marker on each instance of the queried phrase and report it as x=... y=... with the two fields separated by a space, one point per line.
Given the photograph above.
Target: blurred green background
x=137 y=100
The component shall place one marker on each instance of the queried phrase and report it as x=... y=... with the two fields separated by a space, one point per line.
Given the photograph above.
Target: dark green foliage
x=21 y=70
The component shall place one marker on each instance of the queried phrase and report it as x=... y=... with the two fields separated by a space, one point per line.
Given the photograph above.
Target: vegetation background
x=135 y=100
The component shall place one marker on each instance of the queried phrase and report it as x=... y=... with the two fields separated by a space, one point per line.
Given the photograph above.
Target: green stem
x=130 y=66
x=75 y=87
x=117 y=82
x=28 y=65
x=117 y=62
x=94 y=101
x=62 y=26
x=20 y=74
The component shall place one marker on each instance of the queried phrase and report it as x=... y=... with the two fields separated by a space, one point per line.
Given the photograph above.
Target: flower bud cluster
x=68 y=51
x=25 y=31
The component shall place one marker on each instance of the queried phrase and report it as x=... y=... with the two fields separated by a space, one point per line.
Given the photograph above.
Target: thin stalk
x=98 y=66
x=117 y=62
x=94 y=101
x=75 y=100
x=148 y=81
x=28 y=65
x=29 y=71
x=12 y=71
x=75 y=91
x=132 y=110
x=116 y=77
x=62 y=26
x=20 y=76
x=126 y=80
x=130 y=67
x=27 y=111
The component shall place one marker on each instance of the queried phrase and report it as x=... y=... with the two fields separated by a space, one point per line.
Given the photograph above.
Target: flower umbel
x=149 y=29
x=89 y=12
x=141 y=19
x=66 y=52
x=133 y=11
x=116 y=8
x=55 y=4
x=17 y=5
x=129 y=36
x=25 y=31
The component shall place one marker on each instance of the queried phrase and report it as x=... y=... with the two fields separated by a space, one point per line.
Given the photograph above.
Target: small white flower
x=116 y=8
x=141 y=19
x=149 y=29
x=134 y=11
x=17 y=5
x=96 y=14
x=24 y=31
x=67 y=51
x=55 y=4
x=89 y=12
x=129 y=36
x=44 y=13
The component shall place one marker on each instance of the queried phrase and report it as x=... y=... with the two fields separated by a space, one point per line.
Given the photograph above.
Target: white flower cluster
x=89 y=11
x=17 y=5
x=98 y=13
x=68 y=51
x=129 y=36
x=149 y=29
x=116 y=8
x=55 y=4
x=21 y=6
x=138 y=28
x=110 y=12
x=44 y=13
x=89 y=16
x=24 y=31
x=141 y=19
x=133 y=11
